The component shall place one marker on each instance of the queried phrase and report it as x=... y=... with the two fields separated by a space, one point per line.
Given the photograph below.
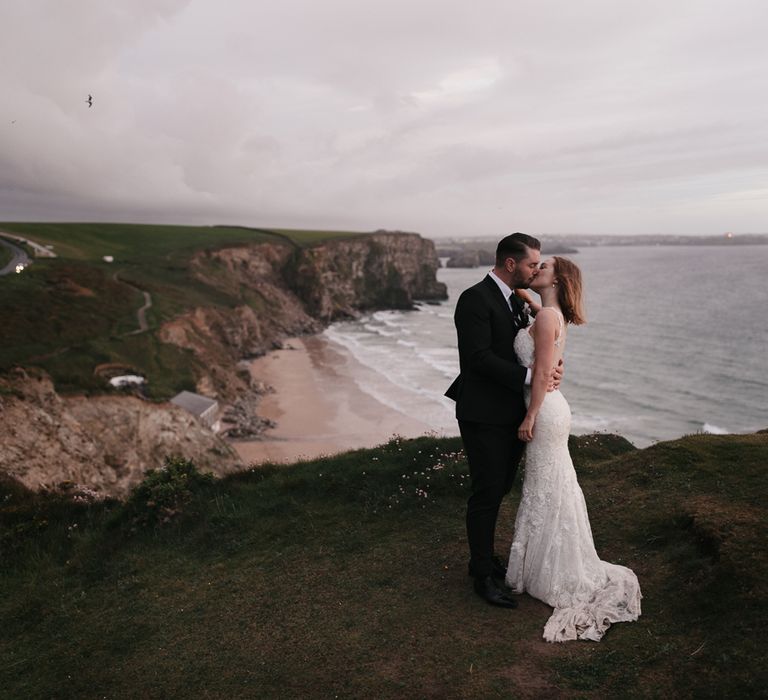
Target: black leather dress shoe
x=490 y=592
x=499 y=569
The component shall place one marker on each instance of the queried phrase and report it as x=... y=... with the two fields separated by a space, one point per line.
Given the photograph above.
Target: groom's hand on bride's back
x=555 y=376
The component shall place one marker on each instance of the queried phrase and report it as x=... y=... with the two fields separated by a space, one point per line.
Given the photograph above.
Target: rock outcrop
x=285 y=291
x=342 y=277
x=105 y=442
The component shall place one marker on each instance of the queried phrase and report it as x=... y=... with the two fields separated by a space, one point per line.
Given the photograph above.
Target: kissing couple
x=508 y=403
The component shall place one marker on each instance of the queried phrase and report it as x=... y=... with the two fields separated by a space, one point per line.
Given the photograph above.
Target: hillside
x=70 y=314
x=346 y=577
x=74 y=313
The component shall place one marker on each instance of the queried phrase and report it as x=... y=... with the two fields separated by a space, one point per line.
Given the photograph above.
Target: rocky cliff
x=384 y=270
x=285 y=291
x=105 y=443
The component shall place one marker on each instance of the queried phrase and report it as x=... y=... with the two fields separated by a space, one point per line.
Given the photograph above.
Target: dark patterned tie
x=519 y=312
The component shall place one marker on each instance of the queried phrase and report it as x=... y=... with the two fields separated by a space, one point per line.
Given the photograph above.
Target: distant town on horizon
x=588 y=240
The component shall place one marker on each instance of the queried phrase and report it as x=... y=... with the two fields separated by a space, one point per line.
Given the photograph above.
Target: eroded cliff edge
x=273 y=290
x=284 y=291
x=105 y=443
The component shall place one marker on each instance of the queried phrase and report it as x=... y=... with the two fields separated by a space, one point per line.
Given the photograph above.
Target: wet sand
x=318 y=407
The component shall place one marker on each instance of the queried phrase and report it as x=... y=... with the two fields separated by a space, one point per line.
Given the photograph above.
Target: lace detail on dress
x=553 y=556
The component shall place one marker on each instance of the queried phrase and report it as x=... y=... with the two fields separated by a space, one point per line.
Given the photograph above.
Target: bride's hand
x=524 y=295
x=525 y=431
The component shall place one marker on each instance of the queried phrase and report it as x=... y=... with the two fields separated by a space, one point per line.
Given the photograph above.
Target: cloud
x=462 y=83
x=603 y=116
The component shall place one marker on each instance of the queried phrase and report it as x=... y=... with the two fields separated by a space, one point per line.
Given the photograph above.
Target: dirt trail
x=141 y=314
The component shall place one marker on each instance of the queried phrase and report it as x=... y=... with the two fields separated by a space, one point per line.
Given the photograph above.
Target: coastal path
x=141 y=314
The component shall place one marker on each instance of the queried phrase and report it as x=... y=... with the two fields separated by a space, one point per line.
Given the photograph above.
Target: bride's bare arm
x=525 y=295
x=544 y=331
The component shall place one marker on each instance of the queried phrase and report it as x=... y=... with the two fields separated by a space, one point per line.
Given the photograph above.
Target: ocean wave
x=380 y=331
x=397 y=382
x=436 y=411
x=714 y=429
x=448 y=366
x=347 y=340
x=389 y=318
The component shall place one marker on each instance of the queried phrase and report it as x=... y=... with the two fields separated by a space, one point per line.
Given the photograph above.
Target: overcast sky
x=442 y=117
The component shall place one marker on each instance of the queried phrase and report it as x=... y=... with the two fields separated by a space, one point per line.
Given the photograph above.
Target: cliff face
x=266 y=312
x=286 y=291
x=105 y=443
x=383 y=270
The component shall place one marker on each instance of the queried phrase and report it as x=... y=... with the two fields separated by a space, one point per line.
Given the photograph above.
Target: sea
x=675 y=343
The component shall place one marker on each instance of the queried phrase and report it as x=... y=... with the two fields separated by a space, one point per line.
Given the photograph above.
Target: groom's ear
x=509 y=264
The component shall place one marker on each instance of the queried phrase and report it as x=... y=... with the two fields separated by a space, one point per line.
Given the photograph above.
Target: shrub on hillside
x=166 y=495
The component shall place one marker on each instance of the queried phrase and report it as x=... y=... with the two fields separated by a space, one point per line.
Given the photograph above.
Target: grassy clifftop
x=346 y=577
x=135 y=242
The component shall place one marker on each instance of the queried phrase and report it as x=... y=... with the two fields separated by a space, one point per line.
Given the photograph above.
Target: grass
x=309 y=238
x=143 y=242
x=68 y=317
x=5 y=256
x=130 y=242
x=69 y=314
x=346 y=577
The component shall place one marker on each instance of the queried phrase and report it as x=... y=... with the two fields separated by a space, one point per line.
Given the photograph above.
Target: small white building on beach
x=201 y=407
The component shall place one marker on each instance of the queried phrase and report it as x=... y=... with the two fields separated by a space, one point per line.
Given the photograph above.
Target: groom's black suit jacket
x=489 y=388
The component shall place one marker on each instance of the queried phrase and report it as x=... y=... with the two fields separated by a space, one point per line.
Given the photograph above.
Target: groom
x=490 y=402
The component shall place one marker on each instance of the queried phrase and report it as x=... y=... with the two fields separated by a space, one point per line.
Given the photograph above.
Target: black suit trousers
x=493 y=453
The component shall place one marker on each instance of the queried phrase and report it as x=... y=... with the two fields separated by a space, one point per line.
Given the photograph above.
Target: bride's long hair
x=569 y=291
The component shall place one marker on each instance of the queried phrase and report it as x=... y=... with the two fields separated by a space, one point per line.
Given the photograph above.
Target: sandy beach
x=318 y=408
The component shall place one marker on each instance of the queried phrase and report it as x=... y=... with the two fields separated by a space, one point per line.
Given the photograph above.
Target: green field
x=146 y=242
x=309 y=238
x=71 y=313
x=336 y=578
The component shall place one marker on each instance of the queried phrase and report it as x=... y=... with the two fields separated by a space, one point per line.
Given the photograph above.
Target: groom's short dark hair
x=516 y=246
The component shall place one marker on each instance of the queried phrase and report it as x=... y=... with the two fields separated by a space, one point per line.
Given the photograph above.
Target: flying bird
x=90 y=101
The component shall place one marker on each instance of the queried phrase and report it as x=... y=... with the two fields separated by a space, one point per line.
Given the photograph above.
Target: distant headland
x=476 y=252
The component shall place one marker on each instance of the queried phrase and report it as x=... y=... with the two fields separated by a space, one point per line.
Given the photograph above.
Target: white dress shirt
x=506 y=290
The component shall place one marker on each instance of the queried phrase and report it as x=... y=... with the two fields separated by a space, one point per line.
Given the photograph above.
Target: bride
x=553 y=557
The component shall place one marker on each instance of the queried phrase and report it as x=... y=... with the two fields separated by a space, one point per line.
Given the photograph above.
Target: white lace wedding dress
x=553 y=556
